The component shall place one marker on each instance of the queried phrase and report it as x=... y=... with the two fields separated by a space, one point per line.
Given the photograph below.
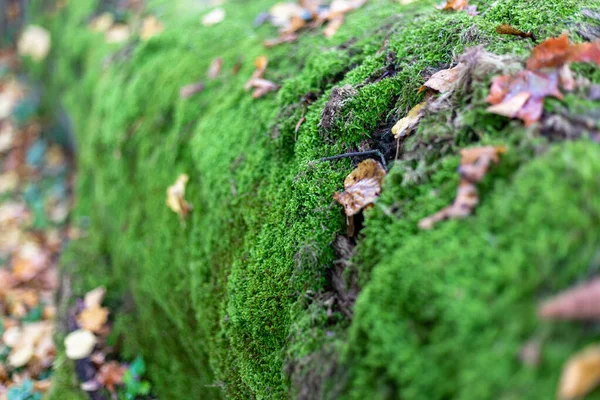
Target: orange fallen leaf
x=458 y=5
x=362 y=187
x=475 y=163
x=175 y=197
x=111 y=375
x=506 y=29
x=444 y=80
x=408 y=123
x=581 y=374
x=555 y=52
x=579 y=303
x=93 y=319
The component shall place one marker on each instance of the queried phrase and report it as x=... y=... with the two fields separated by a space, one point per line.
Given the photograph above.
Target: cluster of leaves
x=34 y=206
x=293 y=17
x=521 y=95
x=89 y=346
x=118 y=31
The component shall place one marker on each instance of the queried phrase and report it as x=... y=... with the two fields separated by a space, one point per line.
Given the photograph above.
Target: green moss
x=228 y=298
x=445 y=315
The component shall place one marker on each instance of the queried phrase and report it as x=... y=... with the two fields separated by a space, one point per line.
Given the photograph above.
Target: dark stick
x=356 y=153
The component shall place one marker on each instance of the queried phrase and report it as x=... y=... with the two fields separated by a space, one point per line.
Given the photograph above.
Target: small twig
x=356 y=154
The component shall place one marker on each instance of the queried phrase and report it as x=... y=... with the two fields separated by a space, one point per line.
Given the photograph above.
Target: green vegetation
x=232 y=302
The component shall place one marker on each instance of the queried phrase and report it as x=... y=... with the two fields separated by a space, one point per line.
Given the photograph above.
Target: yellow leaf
x=362 y=187
x=151 y=27
x=406 y=124
x=581 y=374
x=175 y=197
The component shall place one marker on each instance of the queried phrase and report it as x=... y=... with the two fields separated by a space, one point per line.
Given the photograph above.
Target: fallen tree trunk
x=259 y=292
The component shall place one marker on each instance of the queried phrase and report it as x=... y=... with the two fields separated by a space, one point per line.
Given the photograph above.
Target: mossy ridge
x=447 y=313
x=228 y=279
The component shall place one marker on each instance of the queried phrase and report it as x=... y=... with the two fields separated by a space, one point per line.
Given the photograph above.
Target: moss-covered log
x=251 y=297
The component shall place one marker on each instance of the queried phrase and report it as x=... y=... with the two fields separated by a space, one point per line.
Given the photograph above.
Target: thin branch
x=356 y=154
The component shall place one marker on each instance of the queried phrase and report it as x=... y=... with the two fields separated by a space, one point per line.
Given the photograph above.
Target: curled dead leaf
x=458 y=5
x=475 y=163
x=444 y=80
x=581 y=374
x=175 y=197
x=102 y=22
x=362 y=187
x=506 y=29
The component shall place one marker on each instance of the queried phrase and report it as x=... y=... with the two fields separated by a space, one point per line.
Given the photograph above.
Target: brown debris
x=581 y=374
x=362 y=187
x=475 y=163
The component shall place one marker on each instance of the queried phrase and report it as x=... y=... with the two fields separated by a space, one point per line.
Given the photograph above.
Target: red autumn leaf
x=580 y=303
x=521 y=95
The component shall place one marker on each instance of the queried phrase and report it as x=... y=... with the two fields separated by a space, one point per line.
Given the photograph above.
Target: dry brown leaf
x=214 y=17
x=111 y=375
x=444 y=80
x=475 y=163
x=581 y=374
x=215 y=68
x=151 y=27
x=175 y=197
x=35 y=42
x=79 y=344
x=30 y=260
x=405 y=125
x=189 y=90
x=93 y=319
x=579 y=303
x=362 y=187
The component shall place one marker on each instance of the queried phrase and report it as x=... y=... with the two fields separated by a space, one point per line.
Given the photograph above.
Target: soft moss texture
x=229 y=303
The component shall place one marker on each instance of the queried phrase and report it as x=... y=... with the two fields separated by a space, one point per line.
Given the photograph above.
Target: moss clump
x=227 y=299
